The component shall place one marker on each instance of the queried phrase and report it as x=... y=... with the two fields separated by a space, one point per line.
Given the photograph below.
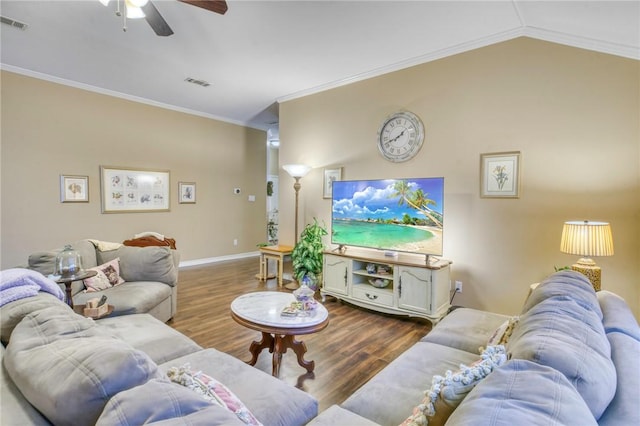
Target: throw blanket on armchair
x=18 y=283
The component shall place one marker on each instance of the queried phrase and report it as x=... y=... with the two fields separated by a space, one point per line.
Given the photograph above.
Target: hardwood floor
x=354 y=347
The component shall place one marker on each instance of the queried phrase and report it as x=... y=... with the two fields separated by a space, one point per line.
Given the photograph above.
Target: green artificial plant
x=307 y=253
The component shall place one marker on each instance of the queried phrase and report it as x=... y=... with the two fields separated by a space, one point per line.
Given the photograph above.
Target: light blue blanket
x=18 y=283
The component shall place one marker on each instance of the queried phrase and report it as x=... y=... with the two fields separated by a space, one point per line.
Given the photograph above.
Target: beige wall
x=50 y=129
x=573 y=114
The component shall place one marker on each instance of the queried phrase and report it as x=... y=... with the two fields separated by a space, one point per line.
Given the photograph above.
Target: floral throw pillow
x=448 y=391
x=213 y=391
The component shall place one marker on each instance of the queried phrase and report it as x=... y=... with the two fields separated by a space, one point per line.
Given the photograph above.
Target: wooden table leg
x=69 y=298
x=280 y=270
x=257 y=347
x=288 y=341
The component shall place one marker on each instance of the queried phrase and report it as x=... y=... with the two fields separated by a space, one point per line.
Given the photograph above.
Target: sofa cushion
x=68 y=369
x=466 y=329
x=144 y=263
x=16 y=410
x=150 y=335
x=389 y=397
x=566 y=283
x=160 y=401
x=44 y=261
x=624 y=336
x=130 y=297
x=213 y=391
x=12 y=313
x=523 y=393
x=446 y=392
x=249 y=384
x=336 y=415
x=617 y=315
x=563 y=330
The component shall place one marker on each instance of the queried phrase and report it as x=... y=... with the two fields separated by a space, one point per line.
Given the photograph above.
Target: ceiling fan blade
x=217 y=6
x=155 y=20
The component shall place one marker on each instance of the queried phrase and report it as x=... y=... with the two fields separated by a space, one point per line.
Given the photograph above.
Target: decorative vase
x=311 y=281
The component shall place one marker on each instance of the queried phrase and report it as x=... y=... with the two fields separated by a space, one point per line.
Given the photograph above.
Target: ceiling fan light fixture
x=138 y=3
x=133 y=12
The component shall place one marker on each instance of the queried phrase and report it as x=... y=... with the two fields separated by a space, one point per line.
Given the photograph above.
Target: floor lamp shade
x=587 y=239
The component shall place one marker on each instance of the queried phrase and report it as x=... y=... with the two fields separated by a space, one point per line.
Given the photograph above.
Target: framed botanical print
x=186 y=192
x=500 y=175
x=329 y=176
x=128 y=190
x=74 y=189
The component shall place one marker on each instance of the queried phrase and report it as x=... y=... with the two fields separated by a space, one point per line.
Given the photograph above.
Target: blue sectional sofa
x=572 y=357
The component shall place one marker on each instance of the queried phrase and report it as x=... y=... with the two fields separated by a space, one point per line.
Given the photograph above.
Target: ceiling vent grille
x=13 y=23
x=198 y=82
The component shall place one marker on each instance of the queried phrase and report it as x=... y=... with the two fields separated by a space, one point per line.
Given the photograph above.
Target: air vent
x=198 y=82
x=13 y=23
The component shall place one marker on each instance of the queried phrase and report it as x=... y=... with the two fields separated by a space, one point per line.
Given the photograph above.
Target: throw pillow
x=98 y=282
x=448 y=391
x=213 y=391
x=503 y=333
x=108 y=276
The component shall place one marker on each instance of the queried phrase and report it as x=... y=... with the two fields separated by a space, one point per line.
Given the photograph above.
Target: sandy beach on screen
x=432 y=245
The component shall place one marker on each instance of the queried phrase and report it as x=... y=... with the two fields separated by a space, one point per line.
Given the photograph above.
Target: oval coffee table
x=261 y=311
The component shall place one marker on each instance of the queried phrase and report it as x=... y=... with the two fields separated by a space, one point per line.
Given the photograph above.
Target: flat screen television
x=394 y=215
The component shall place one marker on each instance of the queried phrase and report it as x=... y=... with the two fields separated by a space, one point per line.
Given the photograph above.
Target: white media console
x=416 y=286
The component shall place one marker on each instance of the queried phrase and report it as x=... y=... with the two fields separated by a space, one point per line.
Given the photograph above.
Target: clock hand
x=397 y=137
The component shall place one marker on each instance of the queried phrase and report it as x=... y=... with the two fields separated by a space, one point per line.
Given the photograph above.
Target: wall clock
x=400 y=137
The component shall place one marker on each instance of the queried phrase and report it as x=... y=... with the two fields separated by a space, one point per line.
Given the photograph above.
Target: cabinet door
x=336 y=274
x=414 y=289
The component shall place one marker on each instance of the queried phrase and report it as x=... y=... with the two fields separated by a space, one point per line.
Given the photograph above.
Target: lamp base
x=590 y=270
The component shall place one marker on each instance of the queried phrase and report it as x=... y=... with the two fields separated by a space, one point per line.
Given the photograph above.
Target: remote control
x=102 y=301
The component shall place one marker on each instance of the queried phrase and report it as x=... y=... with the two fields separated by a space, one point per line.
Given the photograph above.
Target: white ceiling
x=262 y=52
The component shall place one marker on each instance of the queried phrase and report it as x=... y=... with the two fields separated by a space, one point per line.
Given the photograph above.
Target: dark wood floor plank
x=355 y=346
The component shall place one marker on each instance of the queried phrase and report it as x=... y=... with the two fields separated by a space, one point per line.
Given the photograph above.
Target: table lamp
x=587 y=239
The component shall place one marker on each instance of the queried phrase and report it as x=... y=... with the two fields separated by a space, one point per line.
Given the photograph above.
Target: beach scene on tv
x=404 y=215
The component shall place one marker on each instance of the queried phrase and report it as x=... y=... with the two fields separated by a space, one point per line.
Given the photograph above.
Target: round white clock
x=400 y=137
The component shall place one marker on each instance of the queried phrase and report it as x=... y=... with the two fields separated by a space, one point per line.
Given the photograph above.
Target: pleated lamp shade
x=587 y=239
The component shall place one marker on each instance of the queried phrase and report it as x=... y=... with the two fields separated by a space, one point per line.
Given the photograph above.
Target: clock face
x=400 y=137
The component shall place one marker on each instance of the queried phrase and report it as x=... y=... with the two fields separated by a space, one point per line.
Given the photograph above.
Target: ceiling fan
x=145 y=9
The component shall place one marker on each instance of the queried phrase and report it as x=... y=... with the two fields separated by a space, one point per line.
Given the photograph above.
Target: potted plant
x=306 y=256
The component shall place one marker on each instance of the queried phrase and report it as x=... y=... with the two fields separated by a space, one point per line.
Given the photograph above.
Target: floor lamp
x=297 y=171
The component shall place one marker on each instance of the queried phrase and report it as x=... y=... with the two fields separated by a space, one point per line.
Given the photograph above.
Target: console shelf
x=406 y=284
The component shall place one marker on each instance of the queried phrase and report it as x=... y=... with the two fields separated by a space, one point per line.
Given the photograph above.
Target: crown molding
x=107 y=92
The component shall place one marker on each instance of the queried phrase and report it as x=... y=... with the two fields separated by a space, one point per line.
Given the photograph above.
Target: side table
x=277 y=253
x=67 y=281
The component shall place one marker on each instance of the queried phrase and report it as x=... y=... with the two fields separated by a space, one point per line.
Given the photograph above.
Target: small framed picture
x=74 y=189
x=500 y=175
x=186 y=192
x=329 y=176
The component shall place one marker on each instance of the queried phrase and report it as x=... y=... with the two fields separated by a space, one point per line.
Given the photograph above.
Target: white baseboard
x=197 y=262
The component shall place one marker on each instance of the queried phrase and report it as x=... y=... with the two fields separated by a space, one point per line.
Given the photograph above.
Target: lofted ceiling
x=263 y=52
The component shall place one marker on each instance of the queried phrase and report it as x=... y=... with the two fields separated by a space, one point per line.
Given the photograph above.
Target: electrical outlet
x=458 y=286
x=235 y=242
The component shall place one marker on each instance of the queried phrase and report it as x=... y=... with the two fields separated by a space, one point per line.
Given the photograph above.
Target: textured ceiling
x=262 y=52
